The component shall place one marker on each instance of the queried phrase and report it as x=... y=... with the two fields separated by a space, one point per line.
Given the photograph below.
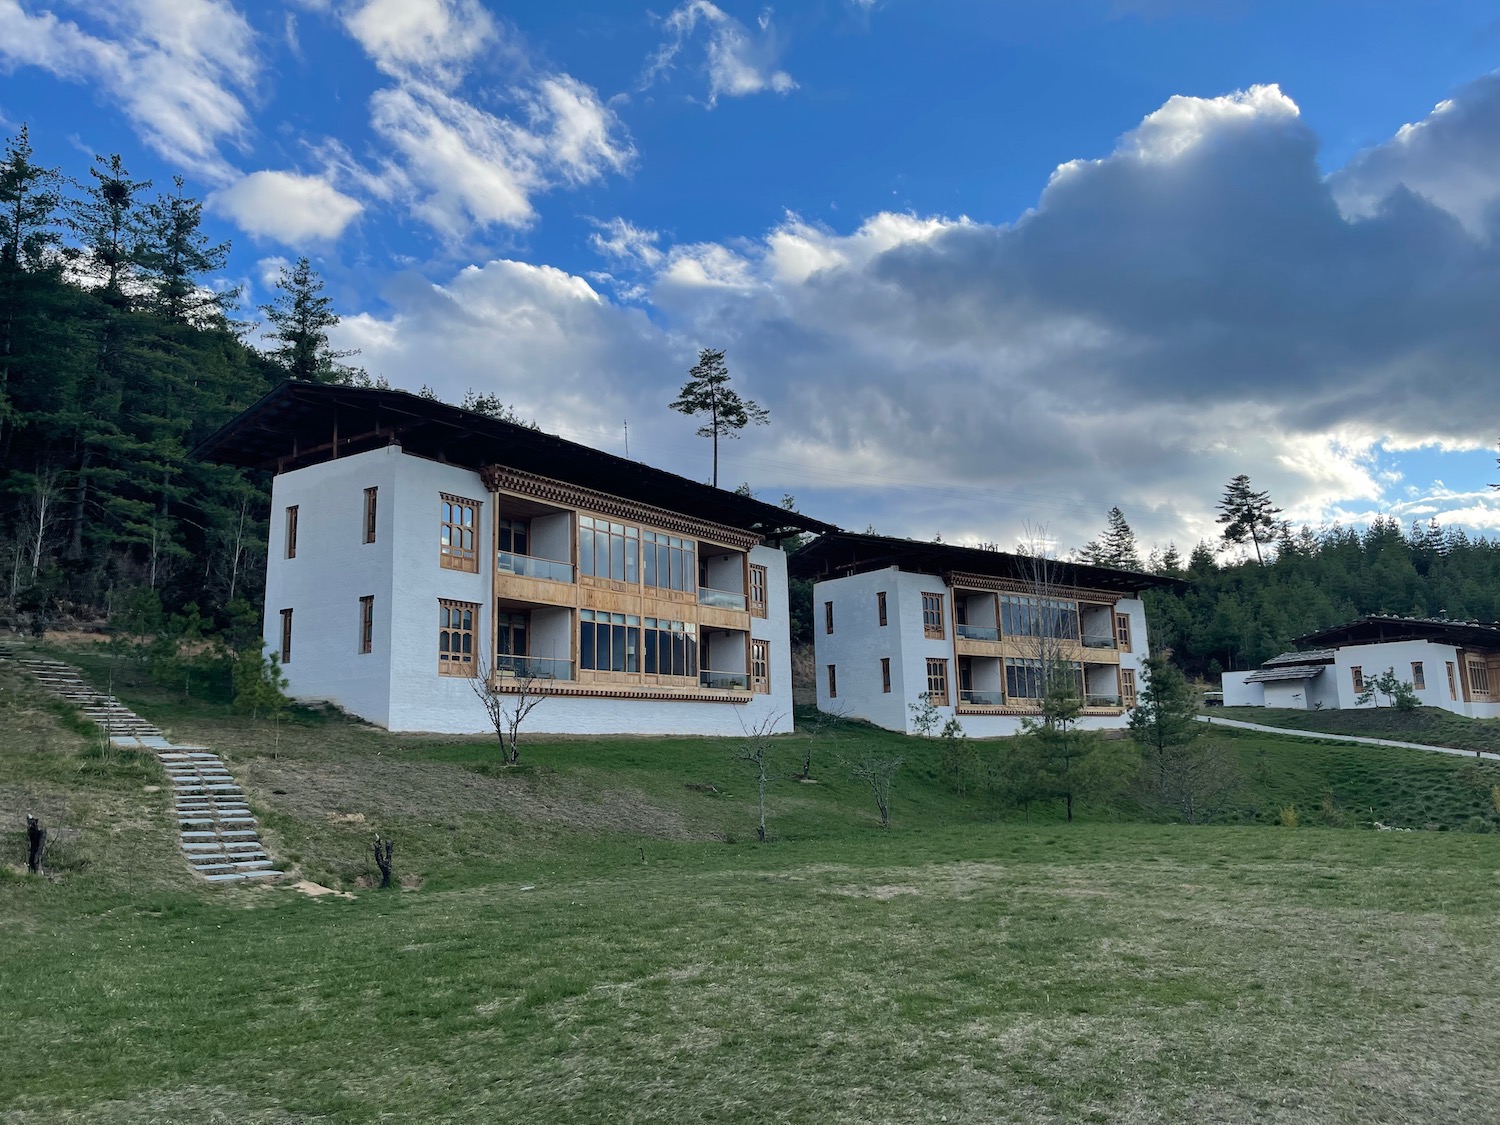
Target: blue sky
x=990 y=265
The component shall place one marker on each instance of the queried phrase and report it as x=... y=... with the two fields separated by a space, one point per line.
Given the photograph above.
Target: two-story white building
x=415 y=546
x=1449 y=664
x=896 y=620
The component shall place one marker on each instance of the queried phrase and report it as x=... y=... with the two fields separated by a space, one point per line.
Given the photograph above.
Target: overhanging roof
x=1378 y=629
x=1286 y=672
x=300 y=424
x=1317 y=656
x=841 y=553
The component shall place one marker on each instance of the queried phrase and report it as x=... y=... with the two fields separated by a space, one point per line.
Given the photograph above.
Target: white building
x=896 y=619
x=1450 y=664
x=415 y=546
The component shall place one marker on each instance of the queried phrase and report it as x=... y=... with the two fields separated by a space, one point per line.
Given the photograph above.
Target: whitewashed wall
x=333 y=569
x=858 y=642
x=1375 y=659
x=1238 y=693
x=398 y=685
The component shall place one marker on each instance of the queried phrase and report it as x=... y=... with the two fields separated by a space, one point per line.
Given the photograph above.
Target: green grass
x=1432 y=726
x=589 y=939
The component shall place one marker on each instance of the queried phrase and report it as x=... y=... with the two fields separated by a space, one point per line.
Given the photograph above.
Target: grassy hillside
x=596 y=937
x=1432 y=726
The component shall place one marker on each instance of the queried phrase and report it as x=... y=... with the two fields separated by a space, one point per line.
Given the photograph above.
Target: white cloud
x=286 y=206
x=435 y=40
x=737 y=61
x=1450 y=159
x=178 y=68
x=1190 y=306
x=622 y=241
x=459 y=165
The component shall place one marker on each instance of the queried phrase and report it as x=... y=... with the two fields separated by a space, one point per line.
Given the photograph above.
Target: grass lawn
x=591 y=939
x=1430 y=725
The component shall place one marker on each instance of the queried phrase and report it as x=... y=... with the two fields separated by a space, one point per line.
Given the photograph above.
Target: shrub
x=1479 y=825
x=1289 y=816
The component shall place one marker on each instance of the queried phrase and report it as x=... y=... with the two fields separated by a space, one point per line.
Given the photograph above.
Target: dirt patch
x=346 y=817
x=317 y=890
x=411 y=882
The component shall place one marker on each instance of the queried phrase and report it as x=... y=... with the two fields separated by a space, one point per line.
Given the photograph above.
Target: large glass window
x=1024 y=679
x=669 y=562
x=513 y=536
x=609 y=550
x=609 y=642
x=1038 y=617
x=671 y=647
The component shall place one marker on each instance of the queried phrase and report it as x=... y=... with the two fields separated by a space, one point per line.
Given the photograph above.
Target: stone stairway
x=218 y=834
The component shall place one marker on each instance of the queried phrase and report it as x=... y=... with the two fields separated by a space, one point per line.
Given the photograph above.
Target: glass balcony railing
x=1101 y=701
x=721 y=599
x=532 y=667
x=529 y=566
x=1098 y=640
x=982 y=698
x=979 y=632
x=724 y=681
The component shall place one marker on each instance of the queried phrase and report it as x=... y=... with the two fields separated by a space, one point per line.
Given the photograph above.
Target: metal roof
x=839 y=553
x=1380 y=628
x=301 y=424
x=1291 y=672
x=1317 y=656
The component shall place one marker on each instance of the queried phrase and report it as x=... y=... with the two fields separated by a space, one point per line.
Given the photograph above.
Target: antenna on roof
x=627 y=439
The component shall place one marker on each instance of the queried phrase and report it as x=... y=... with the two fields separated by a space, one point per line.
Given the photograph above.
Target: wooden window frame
x=1122 y=631
x=828 y=617
x=760 y=585
x=370 y=508
x=1452 y=681
x=466 y=668
x=933 y=632
x=760 y=657
x=449 y=556
x=367 y=624
x=1418 y=676
x=880 y=608
x=1479 y=677
x=291 y=531
x=885 y=675
x=833 y=681
x=1127 y=687
x=286 y=636
x=1357 y=677
x=938 y=698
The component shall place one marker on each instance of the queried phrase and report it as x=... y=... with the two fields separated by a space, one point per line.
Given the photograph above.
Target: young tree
x=1183 y=770
x=1116 y=547
x=506 y=709
x=300 y=317
x=879 y=772
x=173 y=255
x=707 y=391
x=756 y=749
x=1398 y=693
x=1247 y=514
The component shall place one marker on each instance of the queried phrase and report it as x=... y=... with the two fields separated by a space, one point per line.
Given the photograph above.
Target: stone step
x=239 y=834
x=235 y=876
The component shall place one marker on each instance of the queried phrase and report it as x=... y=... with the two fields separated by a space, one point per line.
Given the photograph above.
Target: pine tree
x=172 y=255
x=105 y=222
x=707 y=391
x=1247 y=514
x=300 y=317
x=29 y=201
x=1116 y=547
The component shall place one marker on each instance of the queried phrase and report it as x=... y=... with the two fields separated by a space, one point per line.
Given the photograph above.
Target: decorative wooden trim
x=939 y=631
x=1122 y=631
x=499 y=478
x=564 y=687
x=366 y=624
x=371 y=497
x=758 y=608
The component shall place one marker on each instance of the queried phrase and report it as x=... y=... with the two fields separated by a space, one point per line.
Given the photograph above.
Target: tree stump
x=36 y=840
x=383 y=850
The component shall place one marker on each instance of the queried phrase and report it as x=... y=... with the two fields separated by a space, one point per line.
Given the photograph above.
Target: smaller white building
x=897 y=620
x=1449 y=664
